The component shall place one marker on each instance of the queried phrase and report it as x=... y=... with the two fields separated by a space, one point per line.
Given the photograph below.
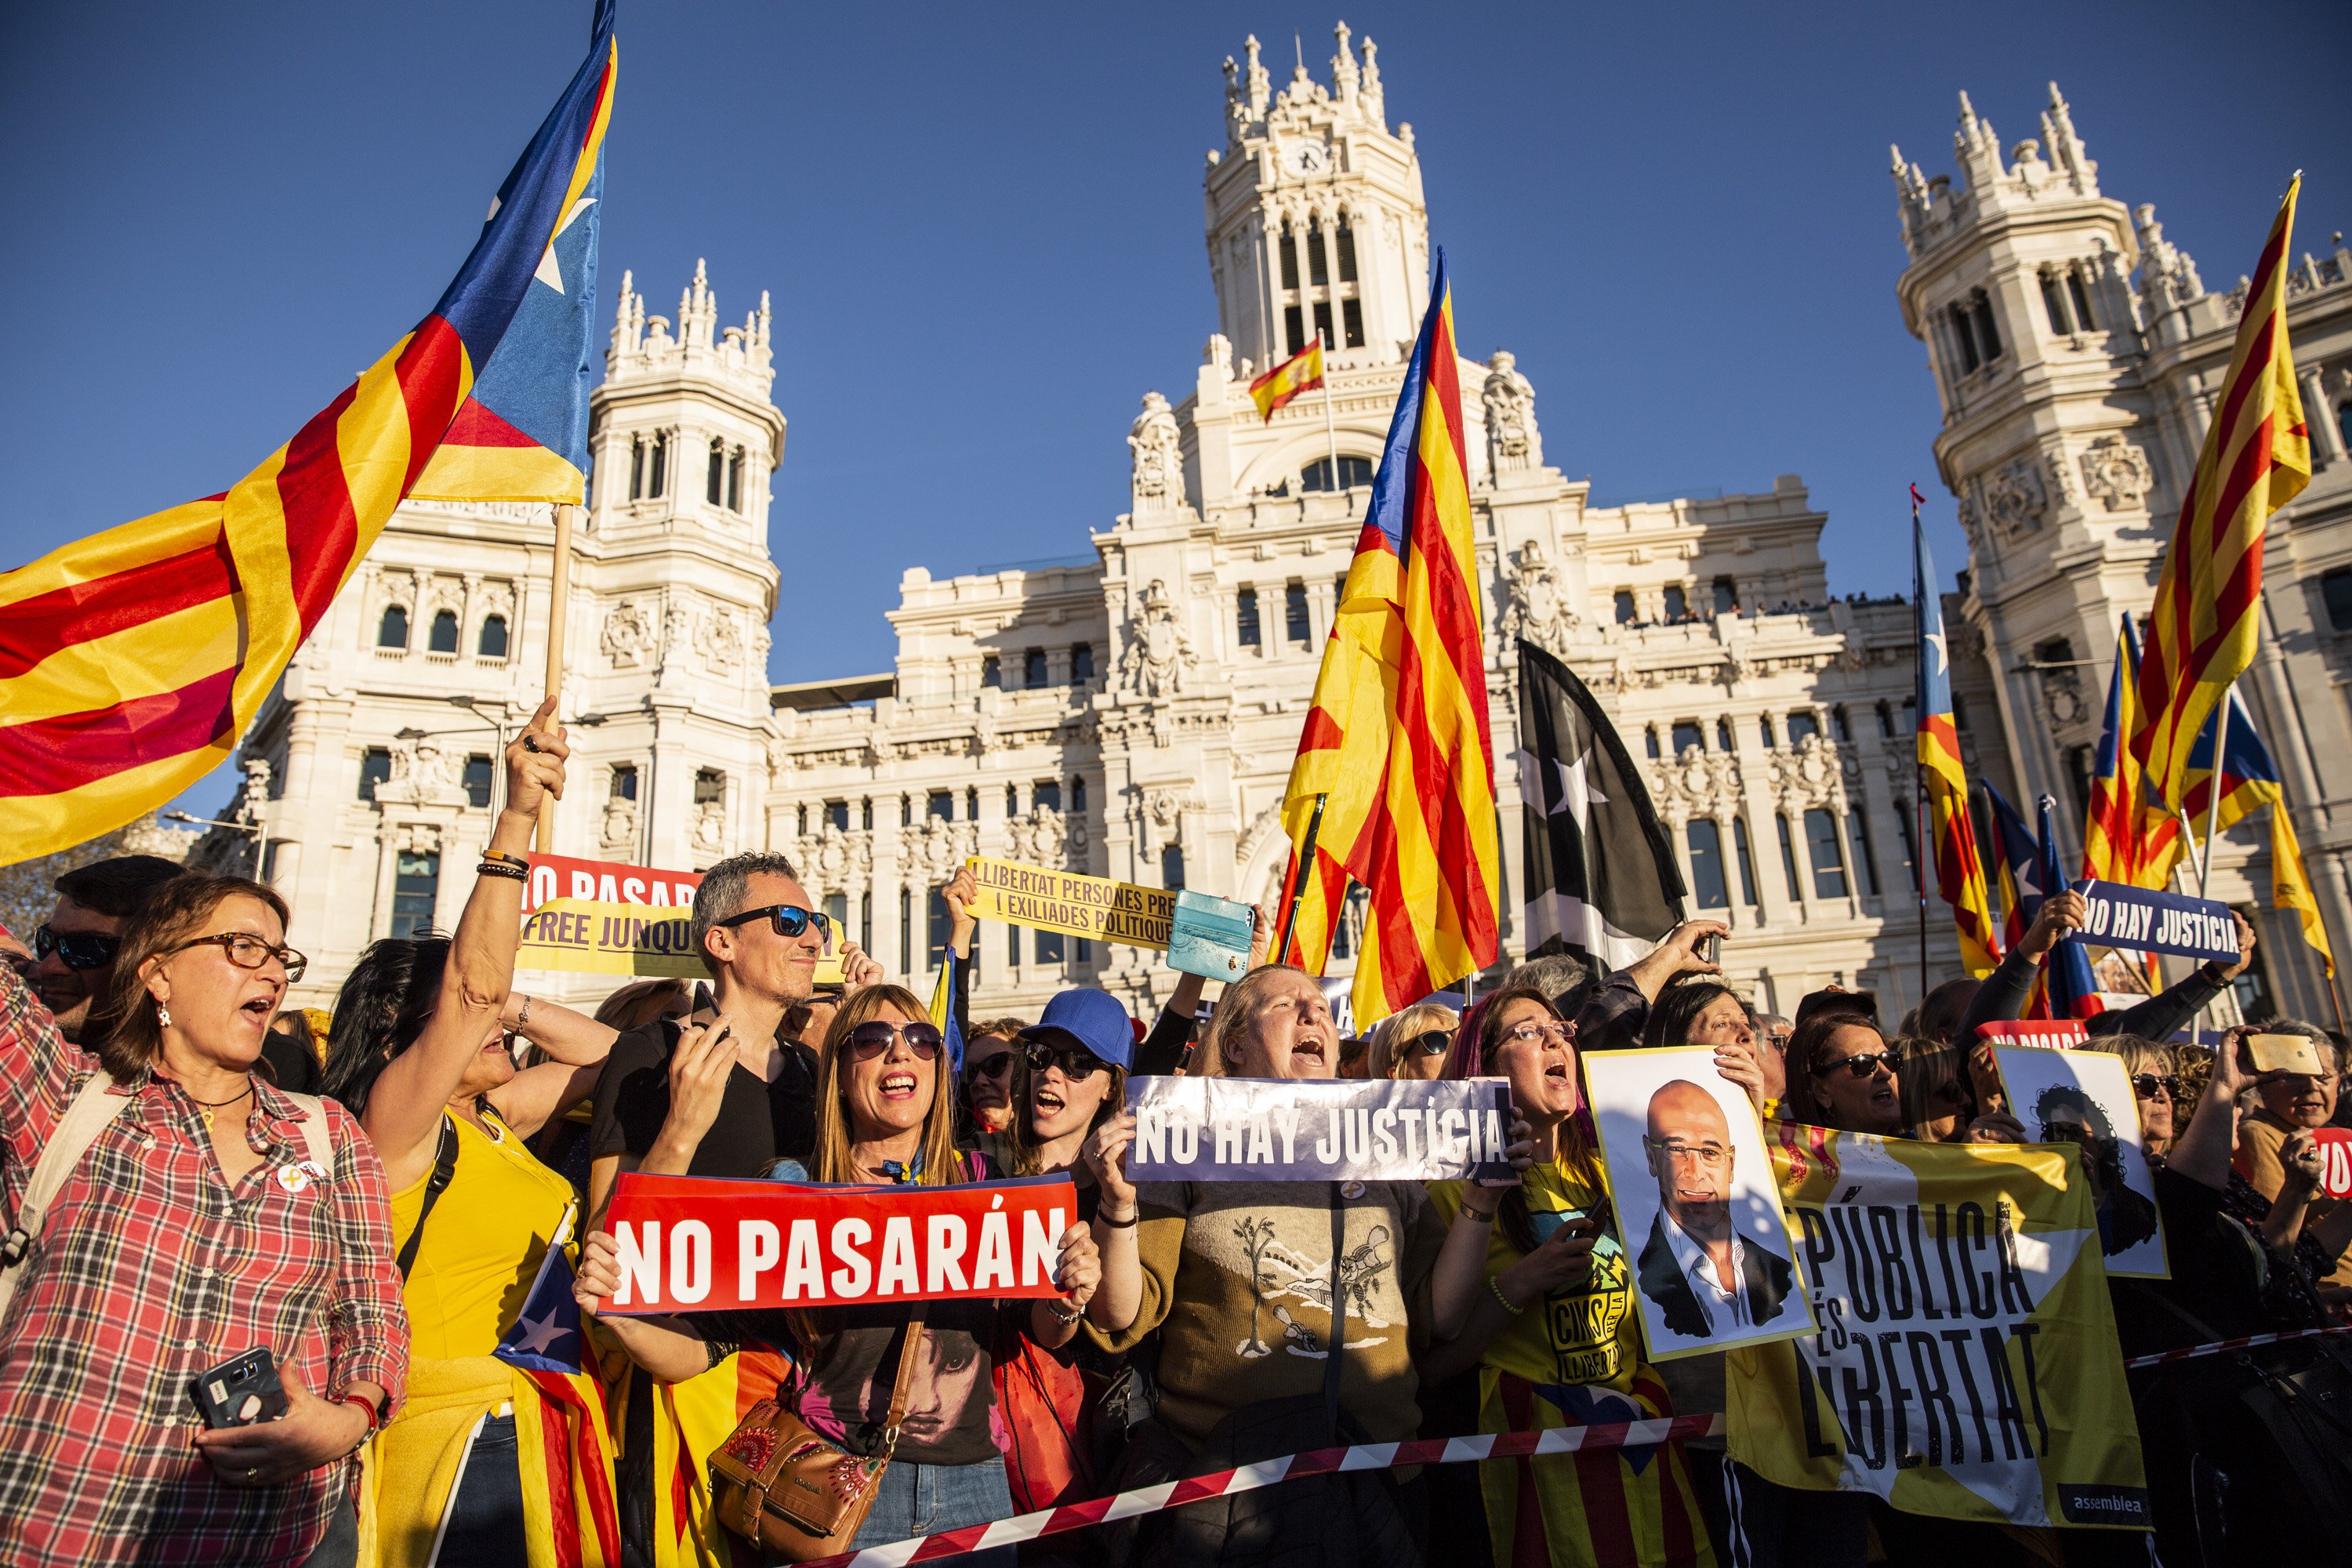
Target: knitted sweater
x=1237 y=1278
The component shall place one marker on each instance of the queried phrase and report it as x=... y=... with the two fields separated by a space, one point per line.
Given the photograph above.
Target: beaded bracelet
x=489 y=868
x=1497 y=1286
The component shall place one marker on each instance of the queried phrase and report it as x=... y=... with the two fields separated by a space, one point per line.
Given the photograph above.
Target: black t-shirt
x=758 y=1123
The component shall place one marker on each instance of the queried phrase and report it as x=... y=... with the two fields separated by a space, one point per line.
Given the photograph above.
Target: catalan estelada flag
x=2113 y=844
x=2015 y=864
x=131 y=661
x=2256 y=458
x=1302 y=372
x=1951 y=836
x=2250 y=781
x=2068 y=989
x=1396 y=748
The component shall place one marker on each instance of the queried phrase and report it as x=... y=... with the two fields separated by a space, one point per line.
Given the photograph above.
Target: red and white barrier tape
x=2217 y=1346
x=1289 y=1467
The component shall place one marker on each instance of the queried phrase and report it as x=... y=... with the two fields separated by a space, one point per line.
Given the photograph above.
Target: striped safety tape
x=1290 y=1467
x=2217 y=1346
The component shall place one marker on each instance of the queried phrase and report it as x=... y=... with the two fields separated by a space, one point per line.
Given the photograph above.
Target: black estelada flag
x=1602 y=879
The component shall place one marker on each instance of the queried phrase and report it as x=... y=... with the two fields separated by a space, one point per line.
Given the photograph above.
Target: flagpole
x=1330 y=426
x=559 y=603
x=1918 y=717
x=2213 y=787
x=1298 y=883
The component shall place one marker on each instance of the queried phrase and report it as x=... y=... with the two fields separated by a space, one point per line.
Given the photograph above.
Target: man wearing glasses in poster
x=1697 y=1267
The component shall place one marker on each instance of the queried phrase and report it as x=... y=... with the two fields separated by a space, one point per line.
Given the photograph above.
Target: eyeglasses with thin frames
x=248 y=951
x=1706 y=1156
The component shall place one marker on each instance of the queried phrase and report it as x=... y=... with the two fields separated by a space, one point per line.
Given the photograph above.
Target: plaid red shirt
x=151 y=1270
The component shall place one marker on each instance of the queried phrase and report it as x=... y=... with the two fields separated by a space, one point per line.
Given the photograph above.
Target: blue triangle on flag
x=546 y=1334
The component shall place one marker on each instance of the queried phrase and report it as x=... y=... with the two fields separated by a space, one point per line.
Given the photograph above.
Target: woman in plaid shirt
x=194 y=1229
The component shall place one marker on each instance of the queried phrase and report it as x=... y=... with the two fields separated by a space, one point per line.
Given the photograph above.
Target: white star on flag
x=1943 y=655
x=549 y=272
x=539 y=1334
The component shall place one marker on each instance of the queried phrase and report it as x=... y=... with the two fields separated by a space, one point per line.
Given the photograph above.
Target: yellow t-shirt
x=1586 y=1334
x=483 y=1245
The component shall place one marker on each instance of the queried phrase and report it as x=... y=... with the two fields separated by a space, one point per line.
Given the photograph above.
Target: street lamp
x=259 y=830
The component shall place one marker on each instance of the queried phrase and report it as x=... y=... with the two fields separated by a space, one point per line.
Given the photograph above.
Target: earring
x=162 y=1017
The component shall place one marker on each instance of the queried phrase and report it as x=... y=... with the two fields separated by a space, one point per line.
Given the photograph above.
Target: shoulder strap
x=444 y=1171
x=1338 y=1313
x=318 y=1146
x=93 y=1109
x=902 y=1388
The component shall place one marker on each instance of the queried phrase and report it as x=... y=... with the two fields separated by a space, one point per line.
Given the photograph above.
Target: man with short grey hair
x=726 y=1093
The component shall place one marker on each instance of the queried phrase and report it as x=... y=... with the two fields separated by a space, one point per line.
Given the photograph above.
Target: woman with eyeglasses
x=211 y=1213
x=419 y=1051
x=886 y=1114
x=1412 y=1043
x=1843 y=1074
x=1534 y=1287
x=991 y=1060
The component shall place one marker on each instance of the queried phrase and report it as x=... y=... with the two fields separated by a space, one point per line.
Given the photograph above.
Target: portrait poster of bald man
x=1695 y=1202
x=2085 y=1098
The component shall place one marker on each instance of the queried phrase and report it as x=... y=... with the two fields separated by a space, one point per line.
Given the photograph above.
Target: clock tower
x=1315 y=215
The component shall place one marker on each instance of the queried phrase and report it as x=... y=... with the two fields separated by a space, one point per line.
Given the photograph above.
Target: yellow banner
x=591 y=938
x=1064 y=901
x=1965 y=1365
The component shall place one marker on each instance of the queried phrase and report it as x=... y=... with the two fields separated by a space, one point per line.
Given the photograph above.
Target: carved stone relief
x=1159 y=480
x=2117 y=473
x=1534 y=609
x=2016 y=499
x=1699 y=783
x=628 y=635
x=1158 y=651
x=1808 y=773
x=1513 y=440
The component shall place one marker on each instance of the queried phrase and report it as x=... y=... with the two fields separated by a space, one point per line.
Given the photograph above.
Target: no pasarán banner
x=704 y=1245
x=1328 y=1129
x=1966 y=1364
x=1046 y=900
x=601 y=917
x=2154 y=922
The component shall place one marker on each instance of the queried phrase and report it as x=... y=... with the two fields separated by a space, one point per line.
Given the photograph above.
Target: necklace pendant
x=207 y=1114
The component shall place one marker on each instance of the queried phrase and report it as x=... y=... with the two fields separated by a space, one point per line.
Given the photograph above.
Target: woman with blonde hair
x=1412 y=1043
x=886 y=1114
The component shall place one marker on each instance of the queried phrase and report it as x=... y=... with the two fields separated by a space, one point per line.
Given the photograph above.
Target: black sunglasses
x=1860 y=1066
x=2146 y=1084
x=1076 y=1062
x=75 y=949
x=871 y=1038
x=789 y=919
x=996 y=1066
x=1433 y=1043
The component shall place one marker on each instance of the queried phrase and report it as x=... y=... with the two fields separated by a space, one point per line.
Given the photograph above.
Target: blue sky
x=981 y=228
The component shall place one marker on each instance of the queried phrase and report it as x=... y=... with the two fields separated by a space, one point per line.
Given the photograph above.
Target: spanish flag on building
x=1302 y=372
x=1393 y=784
x=131 y=661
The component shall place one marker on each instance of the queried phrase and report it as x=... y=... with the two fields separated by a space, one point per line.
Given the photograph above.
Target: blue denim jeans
x=923 y=1500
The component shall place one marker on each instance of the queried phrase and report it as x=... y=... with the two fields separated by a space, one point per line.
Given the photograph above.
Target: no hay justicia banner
x=1329 y=1130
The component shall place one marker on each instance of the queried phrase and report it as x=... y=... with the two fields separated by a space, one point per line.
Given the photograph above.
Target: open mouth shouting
x=898 y=1084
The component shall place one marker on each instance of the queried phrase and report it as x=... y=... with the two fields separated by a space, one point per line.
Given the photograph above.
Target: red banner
x=708 y=1246
x=606 y=882
x=2055 y=1035
x=2334 y=1160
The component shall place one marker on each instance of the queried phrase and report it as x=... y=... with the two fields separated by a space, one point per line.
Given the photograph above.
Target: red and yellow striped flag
x=1944 y=777
x=1396 y=747
x=131 y=661
x=1302 y=372
x=2257 y=458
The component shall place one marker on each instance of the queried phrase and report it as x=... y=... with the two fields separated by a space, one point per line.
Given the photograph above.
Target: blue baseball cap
x=1094 y=1019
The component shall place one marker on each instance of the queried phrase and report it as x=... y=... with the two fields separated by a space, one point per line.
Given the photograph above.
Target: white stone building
x=1132 y=711
x=2078 y=355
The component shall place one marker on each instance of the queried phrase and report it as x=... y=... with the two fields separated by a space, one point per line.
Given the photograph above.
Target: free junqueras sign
x=706 y=1246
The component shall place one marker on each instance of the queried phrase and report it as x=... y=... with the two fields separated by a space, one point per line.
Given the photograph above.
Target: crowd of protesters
x=196 y=1170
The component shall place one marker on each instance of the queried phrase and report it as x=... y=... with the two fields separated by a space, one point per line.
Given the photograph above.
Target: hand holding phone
x=241 y=1391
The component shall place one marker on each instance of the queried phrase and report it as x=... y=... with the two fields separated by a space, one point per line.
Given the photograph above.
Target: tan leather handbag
x=779 y=1483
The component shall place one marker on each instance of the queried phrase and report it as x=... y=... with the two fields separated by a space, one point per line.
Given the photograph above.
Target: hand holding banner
x=1316 y=1129
x=603 y=917
x=2152 y=921
x=1046 y=899
x=709 y=1245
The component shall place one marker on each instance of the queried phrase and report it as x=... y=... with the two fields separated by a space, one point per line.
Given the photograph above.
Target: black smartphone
x=241 y=1392
x=706 y=1008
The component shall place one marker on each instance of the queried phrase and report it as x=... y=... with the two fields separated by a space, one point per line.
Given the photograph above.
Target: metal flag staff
x=1918 y=769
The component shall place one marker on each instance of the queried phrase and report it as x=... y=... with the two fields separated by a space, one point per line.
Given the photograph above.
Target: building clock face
x=1307 y=158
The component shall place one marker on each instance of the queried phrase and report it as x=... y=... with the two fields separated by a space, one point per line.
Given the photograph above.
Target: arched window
x=444 y=637
x=716 y=486
x=1707 y=883
x=2084 y=320
x=1723 y=734
x=1822 y=847
x=638 y=468
x=1294 y=612
x=1355 y=473
x=492 y=642
x=1012 y=800
x=735 y=480
x=1764 y=723
x=657 y=483
x=1650 y=739
x=393 y=630
x=1077 y=792
x=2053 y=301
x=1245 y=618
x=1318 y=266
x=1172 y=867
x=1289 y=258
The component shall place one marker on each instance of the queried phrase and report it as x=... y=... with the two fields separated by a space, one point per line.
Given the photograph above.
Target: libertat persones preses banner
x=1697 y=1204
x=1965 y=1364
x=1316 y=1129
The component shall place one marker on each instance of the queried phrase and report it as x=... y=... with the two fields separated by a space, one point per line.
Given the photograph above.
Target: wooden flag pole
x=1330 y=426
x=558 y=604
x=1298 y=883
x=1919 y=848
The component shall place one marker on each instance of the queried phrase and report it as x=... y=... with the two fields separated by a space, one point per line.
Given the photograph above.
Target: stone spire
x=1343 y=67
x=1260 y=85
x=1368 y=88
x=698 y=311
x=2067 y=147
x=628 y=317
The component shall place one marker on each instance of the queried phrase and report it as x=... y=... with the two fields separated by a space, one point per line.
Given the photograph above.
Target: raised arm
x=2006 y=991
x=2166 y=1014
x=404 y=1115
x=2202 y=1152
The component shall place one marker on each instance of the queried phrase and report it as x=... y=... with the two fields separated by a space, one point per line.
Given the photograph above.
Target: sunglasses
x=250 y=951
x=789 y=919
x=996 y=1066
x=870 y=1040
x=2146 y=1084
x=1433 y=1043
x=1862 y=1066
x=1076 y=1062
x=75 y=949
